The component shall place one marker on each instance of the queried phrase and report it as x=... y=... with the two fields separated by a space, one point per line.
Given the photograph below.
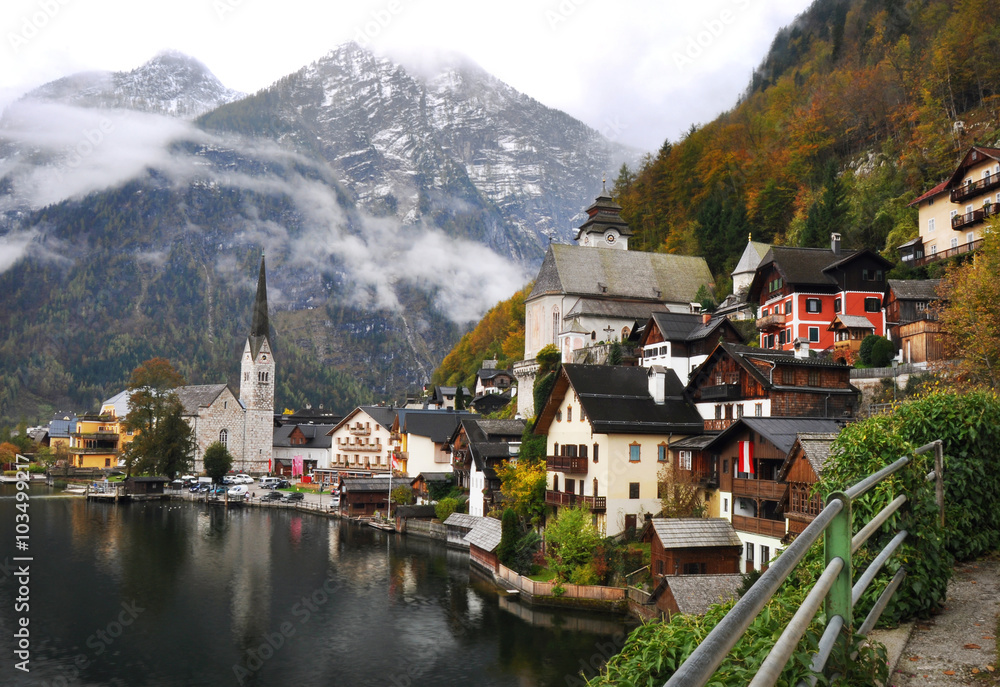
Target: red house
x=802 y=290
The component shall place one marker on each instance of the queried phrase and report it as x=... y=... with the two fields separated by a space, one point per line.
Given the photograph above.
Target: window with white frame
x=684 y=460
x=814 y=305
x=930 y=225
x=813 y=334
x=954 y=242
x=970 y=237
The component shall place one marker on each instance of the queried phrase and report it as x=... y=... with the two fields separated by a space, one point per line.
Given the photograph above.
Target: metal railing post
x=837 y=544
x=939 y=478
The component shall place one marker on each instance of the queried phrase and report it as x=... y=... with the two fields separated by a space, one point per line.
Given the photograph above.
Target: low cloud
x=58 y=152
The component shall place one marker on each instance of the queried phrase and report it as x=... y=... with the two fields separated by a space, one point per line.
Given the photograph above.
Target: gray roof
x=317 y=436
x=433 y=477
x=915 y=289
x=485 y=535
x=697 y=442
x=613 y=273
x=687 y=533
x=373 y=484
x=438 y=425
x=853 y=322
x=815 y=448
x=780 y=431
x=752 y=255
x=198 y=396
x=462 y=520
x=260 y=327
x=622 y=310
x=383 y=415
x=694 y=594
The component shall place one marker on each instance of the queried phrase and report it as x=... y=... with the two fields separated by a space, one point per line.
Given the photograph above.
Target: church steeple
x=604 y=226
x=260 y=327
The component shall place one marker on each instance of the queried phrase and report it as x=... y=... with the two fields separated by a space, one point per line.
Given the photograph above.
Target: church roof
x=198 y=396
x=752 y=255
x=610 y=273
x=260 y=327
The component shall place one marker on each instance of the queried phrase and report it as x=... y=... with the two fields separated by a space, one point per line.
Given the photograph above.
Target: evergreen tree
x=218 y=461
x=827 y=215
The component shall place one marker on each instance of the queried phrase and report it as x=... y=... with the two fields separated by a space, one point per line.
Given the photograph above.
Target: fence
x=530 y=587
x=836 y=588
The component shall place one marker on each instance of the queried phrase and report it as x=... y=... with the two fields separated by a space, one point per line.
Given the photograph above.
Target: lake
x=178 y=593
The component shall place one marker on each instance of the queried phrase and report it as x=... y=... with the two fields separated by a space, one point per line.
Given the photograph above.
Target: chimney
x=706 y=317
x=801 y=347
x=657 y=384
x=835 y=243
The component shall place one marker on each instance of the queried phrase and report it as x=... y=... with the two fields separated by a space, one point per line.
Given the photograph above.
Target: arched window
x=224 y=437
x=555 y=324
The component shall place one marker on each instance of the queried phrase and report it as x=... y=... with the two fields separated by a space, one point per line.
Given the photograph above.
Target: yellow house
x=953 y=214
x=97 y=440
x=609 y=430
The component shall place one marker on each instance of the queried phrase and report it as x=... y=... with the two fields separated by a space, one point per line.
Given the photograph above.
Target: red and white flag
x=746 y=457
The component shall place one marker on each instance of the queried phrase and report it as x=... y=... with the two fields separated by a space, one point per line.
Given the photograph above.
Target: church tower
x=604 y=227
x=257 y=384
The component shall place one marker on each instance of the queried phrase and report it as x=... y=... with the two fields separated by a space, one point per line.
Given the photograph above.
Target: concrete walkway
x=959 y=645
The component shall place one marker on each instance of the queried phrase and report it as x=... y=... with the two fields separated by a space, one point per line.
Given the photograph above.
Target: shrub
x=882 y=352
x=445 y=507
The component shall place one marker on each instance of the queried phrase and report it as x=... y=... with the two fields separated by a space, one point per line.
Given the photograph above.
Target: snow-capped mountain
x=171 y=83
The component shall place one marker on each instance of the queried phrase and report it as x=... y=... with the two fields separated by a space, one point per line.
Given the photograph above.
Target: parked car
x=271 y=496
x=335 y=502
x=244 y=479
x=238 y=490
x=282 y=484
x=293 y=496
x=268 y=482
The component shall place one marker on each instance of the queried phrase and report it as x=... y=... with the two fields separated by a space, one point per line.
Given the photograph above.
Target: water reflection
x=330 y=603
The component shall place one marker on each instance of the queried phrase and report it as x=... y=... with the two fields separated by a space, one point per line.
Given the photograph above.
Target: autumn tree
x=155 y=418
x=523 y=487
x=679 y=493
x=969 y=312
x=570 y=542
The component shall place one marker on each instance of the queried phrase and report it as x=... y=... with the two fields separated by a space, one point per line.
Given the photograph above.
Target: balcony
x=950 y=253
x=775 y=321
x=768 y=528
x=361 y=447
x=598 y=504
x=975 y=188
x=359 y=431
x=759 y=488
x=967 y=219
x=721 y=392
x=718 y=425
x=98 y=436
x=572 y=464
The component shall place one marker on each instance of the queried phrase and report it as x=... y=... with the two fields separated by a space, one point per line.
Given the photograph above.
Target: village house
x=848 y=333
x=692 y=546
x=490 y=380
x=483 y=540
x=913 y=325
x=60 y=427
x=302 y=449
x=420 y=440
x=478 y=447
x=360 y=445
x=683 y=341
x=597 y=291
x=427 y=484
x=801 y=471
x=363 y=497
x=742 y=381
x=694 y=594
x=609 y=429
x=802 y=290
x=750 y=455
x=96 y=440
x=953 y=214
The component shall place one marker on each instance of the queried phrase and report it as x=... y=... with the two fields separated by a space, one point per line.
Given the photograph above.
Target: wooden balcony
x=759 y=488
x=359 y=431
x=718 y=425
x=721 y=392
x=361 y=447
x=960 y=193
x=774 y=321
x=568 y=464
x=768 y=528
x=950 y=253
x=598 y=504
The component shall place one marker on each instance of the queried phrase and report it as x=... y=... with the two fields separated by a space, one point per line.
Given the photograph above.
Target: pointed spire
x=260 y=327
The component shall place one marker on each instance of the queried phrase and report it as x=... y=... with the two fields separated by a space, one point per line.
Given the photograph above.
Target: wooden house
x=483 y=540
x=801 y=470
x=458 y=525
x=692 y=546
x=363 y=497
x=478 y=447
x=682 y=341
x=913 y=325
x=694 y=594
x=145 y=487
x=424 y=483
x=848 y=333
x=741 y=381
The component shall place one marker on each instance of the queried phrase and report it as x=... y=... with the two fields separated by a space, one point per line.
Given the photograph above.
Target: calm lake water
x=175 y=593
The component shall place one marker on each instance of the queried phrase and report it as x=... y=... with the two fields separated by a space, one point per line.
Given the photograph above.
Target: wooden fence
x=530 y=587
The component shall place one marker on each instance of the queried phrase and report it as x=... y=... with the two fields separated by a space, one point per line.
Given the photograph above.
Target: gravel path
x=958 y=646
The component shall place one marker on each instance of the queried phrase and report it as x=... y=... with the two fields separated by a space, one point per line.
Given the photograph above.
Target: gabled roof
x=940 y=188
x=317 y=436
x=369 y=484
x=803 y=268
x=489 y=438
x=463 y=520
x=688 y=533
x=199 y=396
x=694 y=594
x=490 y=373
x=851 y=322
x=815 y=448
x=485 y=535
x=616 y=400
x=120 y=402
x=382 y=415
x=686 y=327
x=780 y=431
x=611 y=273
x=437 y=425
x=914 y=289
x=968 y=161
x=432 y=477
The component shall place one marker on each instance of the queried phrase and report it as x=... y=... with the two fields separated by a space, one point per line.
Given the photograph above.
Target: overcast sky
x=638 y=71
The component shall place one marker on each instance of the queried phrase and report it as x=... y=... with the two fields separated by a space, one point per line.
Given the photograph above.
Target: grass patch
x=540 y=574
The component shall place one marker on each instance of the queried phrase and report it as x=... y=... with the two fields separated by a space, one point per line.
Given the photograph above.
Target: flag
x=746 y=457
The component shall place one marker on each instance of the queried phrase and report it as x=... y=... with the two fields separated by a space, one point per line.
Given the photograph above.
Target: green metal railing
x=836 y=589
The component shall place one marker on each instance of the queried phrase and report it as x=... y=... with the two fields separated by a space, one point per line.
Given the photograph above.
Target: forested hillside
x=859 y=106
